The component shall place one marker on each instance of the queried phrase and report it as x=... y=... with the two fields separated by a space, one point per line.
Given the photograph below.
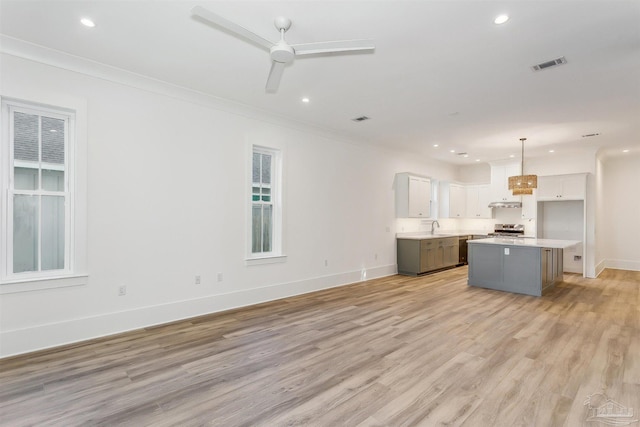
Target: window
x=37 y=186
x=265 y=203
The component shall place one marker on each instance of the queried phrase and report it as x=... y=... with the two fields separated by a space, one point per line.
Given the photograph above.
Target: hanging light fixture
x=523 y=184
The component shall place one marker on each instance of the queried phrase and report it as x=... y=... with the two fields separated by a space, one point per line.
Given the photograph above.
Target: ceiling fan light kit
x=281 y=52
x=523 y=184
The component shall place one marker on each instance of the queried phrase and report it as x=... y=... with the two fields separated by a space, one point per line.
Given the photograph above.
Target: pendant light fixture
x=523 y=184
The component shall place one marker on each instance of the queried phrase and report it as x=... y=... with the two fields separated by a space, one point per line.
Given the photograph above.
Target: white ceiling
x=442 y=71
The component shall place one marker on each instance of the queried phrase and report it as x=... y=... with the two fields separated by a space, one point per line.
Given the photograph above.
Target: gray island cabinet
x=424 y=254
x=524 y=266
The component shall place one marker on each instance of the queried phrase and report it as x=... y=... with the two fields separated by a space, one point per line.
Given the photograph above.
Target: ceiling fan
x=281 y=52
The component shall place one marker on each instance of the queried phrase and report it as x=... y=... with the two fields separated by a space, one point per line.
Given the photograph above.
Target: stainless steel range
x=507 y=230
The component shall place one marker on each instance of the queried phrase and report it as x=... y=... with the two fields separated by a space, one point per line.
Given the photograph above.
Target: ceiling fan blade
x=218 y=20
x=273 y=81
x=335 y=46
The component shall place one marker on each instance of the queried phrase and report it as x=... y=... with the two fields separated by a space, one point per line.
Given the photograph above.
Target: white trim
x=261 y=260
x=600 y=267
x=38 y=284
x=276 y=186
x=9 y=107
x=40 y=337
x=44 y=98
x=33 y=52
x=623 y=264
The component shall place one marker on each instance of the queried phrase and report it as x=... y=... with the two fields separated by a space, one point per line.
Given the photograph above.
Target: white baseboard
x=600 y=267
x=623 y=264
x=50 y=335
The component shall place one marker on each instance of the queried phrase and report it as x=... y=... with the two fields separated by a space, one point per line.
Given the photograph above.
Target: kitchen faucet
x=435 y=222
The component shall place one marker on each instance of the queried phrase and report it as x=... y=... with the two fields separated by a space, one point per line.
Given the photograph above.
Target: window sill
x=273 y=259
x=12 y=286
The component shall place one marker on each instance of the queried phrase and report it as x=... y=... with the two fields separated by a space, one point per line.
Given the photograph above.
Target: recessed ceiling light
x=87 y=22
x=511 y=156
x=53 y=130
x=552 y=151
x=465 y=155
x=501 y=19
x=452 y=151
x=435 y=145
x=477 y=160
x=305 y=100
x=625 y=151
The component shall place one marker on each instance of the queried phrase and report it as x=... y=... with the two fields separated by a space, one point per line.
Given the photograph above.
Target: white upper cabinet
x=457 y=201
x=413 y=196
x=477 y=201
x=500 y=182
x=562 y=187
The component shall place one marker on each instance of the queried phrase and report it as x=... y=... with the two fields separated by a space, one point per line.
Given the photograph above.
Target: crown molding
x=66 y=61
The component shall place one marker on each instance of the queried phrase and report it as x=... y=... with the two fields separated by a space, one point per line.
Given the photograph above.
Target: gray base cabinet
x=423 y=256
x=523 y=270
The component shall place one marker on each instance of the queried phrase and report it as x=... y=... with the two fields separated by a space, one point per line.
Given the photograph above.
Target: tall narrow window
x=38 y=196
x=265 y=202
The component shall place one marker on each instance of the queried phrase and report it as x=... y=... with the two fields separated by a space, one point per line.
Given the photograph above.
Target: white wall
x=475 y=174
x=167 y=199
x=620 y=210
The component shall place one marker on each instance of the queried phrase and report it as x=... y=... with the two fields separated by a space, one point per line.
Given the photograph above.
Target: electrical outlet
x=122 y=290
x=220 y=277
x=375 y=257
x=197 y=280
x=326 y=262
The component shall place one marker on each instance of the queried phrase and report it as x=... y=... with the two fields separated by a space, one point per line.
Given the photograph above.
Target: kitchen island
x=521 y=265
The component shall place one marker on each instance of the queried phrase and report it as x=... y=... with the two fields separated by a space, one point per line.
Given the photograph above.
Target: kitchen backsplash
x=501 y=216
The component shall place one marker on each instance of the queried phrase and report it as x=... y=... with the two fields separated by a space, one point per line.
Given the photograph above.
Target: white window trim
x=277 y=253
x=74 y=273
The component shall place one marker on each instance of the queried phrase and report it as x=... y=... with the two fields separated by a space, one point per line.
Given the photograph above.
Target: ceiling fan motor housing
x=282 y=52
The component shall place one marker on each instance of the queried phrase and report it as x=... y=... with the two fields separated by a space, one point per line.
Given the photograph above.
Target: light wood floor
x=396 y=351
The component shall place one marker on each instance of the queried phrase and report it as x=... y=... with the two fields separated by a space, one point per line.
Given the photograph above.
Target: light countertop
x=529 y=242
x=423 y=235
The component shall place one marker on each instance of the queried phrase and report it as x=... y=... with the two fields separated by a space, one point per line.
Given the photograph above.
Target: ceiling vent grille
x=361 y=119
x=549 y=64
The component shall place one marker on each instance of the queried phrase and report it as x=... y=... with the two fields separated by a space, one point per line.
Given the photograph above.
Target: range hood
x=505 y=204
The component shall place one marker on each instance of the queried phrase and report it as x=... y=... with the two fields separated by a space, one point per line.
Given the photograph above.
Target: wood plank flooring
x=397 y=351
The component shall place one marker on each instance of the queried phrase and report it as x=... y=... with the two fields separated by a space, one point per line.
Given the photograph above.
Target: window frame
x=276 y=254
x=7 y=180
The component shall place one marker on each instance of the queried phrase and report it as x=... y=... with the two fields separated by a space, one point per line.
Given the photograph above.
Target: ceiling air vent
x=361 y=119
x=549 y=64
